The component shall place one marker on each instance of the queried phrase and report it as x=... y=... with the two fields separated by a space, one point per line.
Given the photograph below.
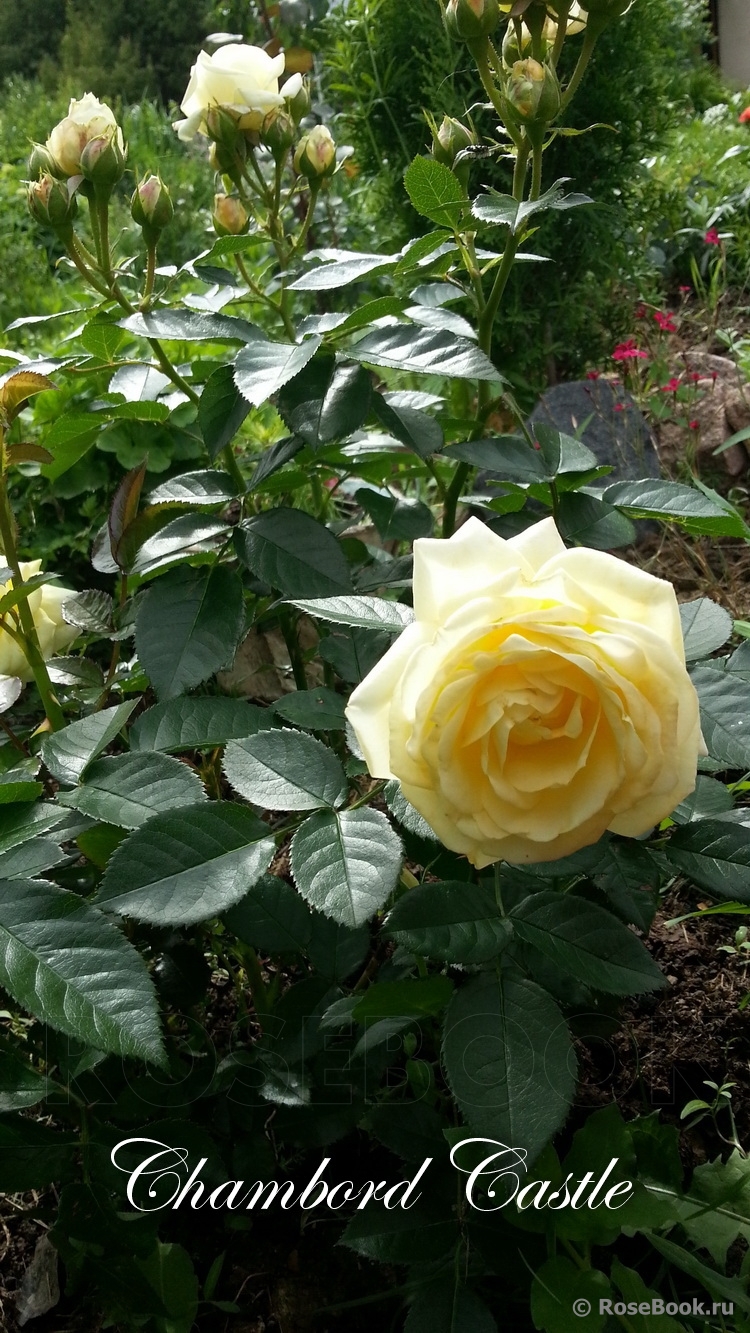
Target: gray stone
x=614 y=428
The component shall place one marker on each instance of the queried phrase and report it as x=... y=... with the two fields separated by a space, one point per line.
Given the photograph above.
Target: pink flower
x=695 y=377
x=672 y=386
x=695 y=425
x=619 y=407
x=744 y=116
x=712 y=237
x=686 y=289
x=593 y=374
x=666 y=322
x=628 y=351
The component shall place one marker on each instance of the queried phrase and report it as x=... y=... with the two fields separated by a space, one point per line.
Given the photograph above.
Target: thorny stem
x=29 y=639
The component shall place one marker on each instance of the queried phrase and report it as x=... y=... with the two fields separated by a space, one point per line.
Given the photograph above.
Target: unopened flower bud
x=576 y=19
x=229 y=215
x=87 y=119
x=151 y=207
x=42 y=163
x=450 y=139
x=315 y=157
x=52 y=203
x=223 y=127
x=468 y=20
x=532 y=93
x=103 y=160
x=600 y=13
x=278 y=133
x=299 y=105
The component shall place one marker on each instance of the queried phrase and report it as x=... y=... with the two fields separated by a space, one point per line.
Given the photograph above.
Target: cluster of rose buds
x=234 y=99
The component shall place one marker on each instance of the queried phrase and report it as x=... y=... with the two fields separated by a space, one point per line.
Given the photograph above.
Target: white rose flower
x=54 y=634
x=539 y=698
x=243 y=80
x=87 y=119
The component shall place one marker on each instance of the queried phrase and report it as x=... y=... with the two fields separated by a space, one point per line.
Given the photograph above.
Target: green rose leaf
x=208 y=487
x=272 y=917
x=435 y=191
x=263 y=367
x=327 y=401
x=221 y=411
x=188 y=626
x=676 y=503
x=190 y=326
x=425 y=352
x=715 y=854
x=290 y=550
x=67 y=753
x=339 y=269
x=346 y=863
x=505 y=211
x=458 y=923
x=588 y=942
x=20 y=1083
x=556 y=1291
x=416 y=429
x=187 y=865
x=706 y=626
x=358 y=612
x=509 y=1061
x=128 y=789
x=724 y=697
x=447 y=1307
x=71 y=968
x=284 y=770
x=195 y=724
x=313 y=710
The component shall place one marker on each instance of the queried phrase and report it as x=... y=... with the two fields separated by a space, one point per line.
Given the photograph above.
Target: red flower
x=712 y=237
x=672 y=386
x=619 y=407
x=744 y=116
x=695 y=377
x=666 y=322
x=686 y=289
x=695 y=425
x=593 y=374
x=628 y=351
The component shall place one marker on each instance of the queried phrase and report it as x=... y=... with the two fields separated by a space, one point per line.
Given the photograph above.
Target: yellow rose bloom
x=539 y=698
x=54 y=634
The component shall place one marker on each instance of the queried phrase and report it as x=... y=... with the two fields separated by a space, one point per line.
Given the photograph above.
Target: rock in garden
x=608 y=421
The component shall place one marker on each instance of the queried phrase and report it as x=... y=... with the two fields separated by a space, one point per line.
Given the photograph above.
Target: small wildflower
x=672 y=386
x=593 y=374
x=685 y=288
x=695 y=377
x=744 y=116
x=695 y=425
x=628 y=351
x=619 y=407
x=712 y=237
x=665 y=321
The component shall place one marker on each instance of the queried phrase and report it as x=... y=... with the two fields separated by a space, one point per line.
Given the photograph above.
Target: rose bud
x=151 y=207
x=532 y=92
x=315 y=157
x=278 y=133
x=470 y=20
x=52 y=203
x=103 y=160
x=87 y=119
x=229 y=216
x=450 y=139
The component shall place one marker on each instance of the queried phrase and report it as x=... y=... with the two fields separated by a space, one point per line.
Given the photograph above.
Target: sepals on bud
x=315 y=157
x=229 y=215
x=151 y=207
x=278 y=133
x=223 y=128
x=42 y=163
x=52 y=202
x=470 y=20
x=532 y=93
x=449 y=139
x=103 y=160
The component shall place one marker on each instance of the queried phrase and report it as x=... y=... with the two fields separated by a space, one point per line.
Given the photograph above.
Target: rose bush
x=243 y=80
x=539 y=698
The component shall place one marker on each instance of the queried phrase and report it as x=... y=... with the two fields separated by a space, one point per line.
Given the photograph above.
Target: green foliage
x=390 y=64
